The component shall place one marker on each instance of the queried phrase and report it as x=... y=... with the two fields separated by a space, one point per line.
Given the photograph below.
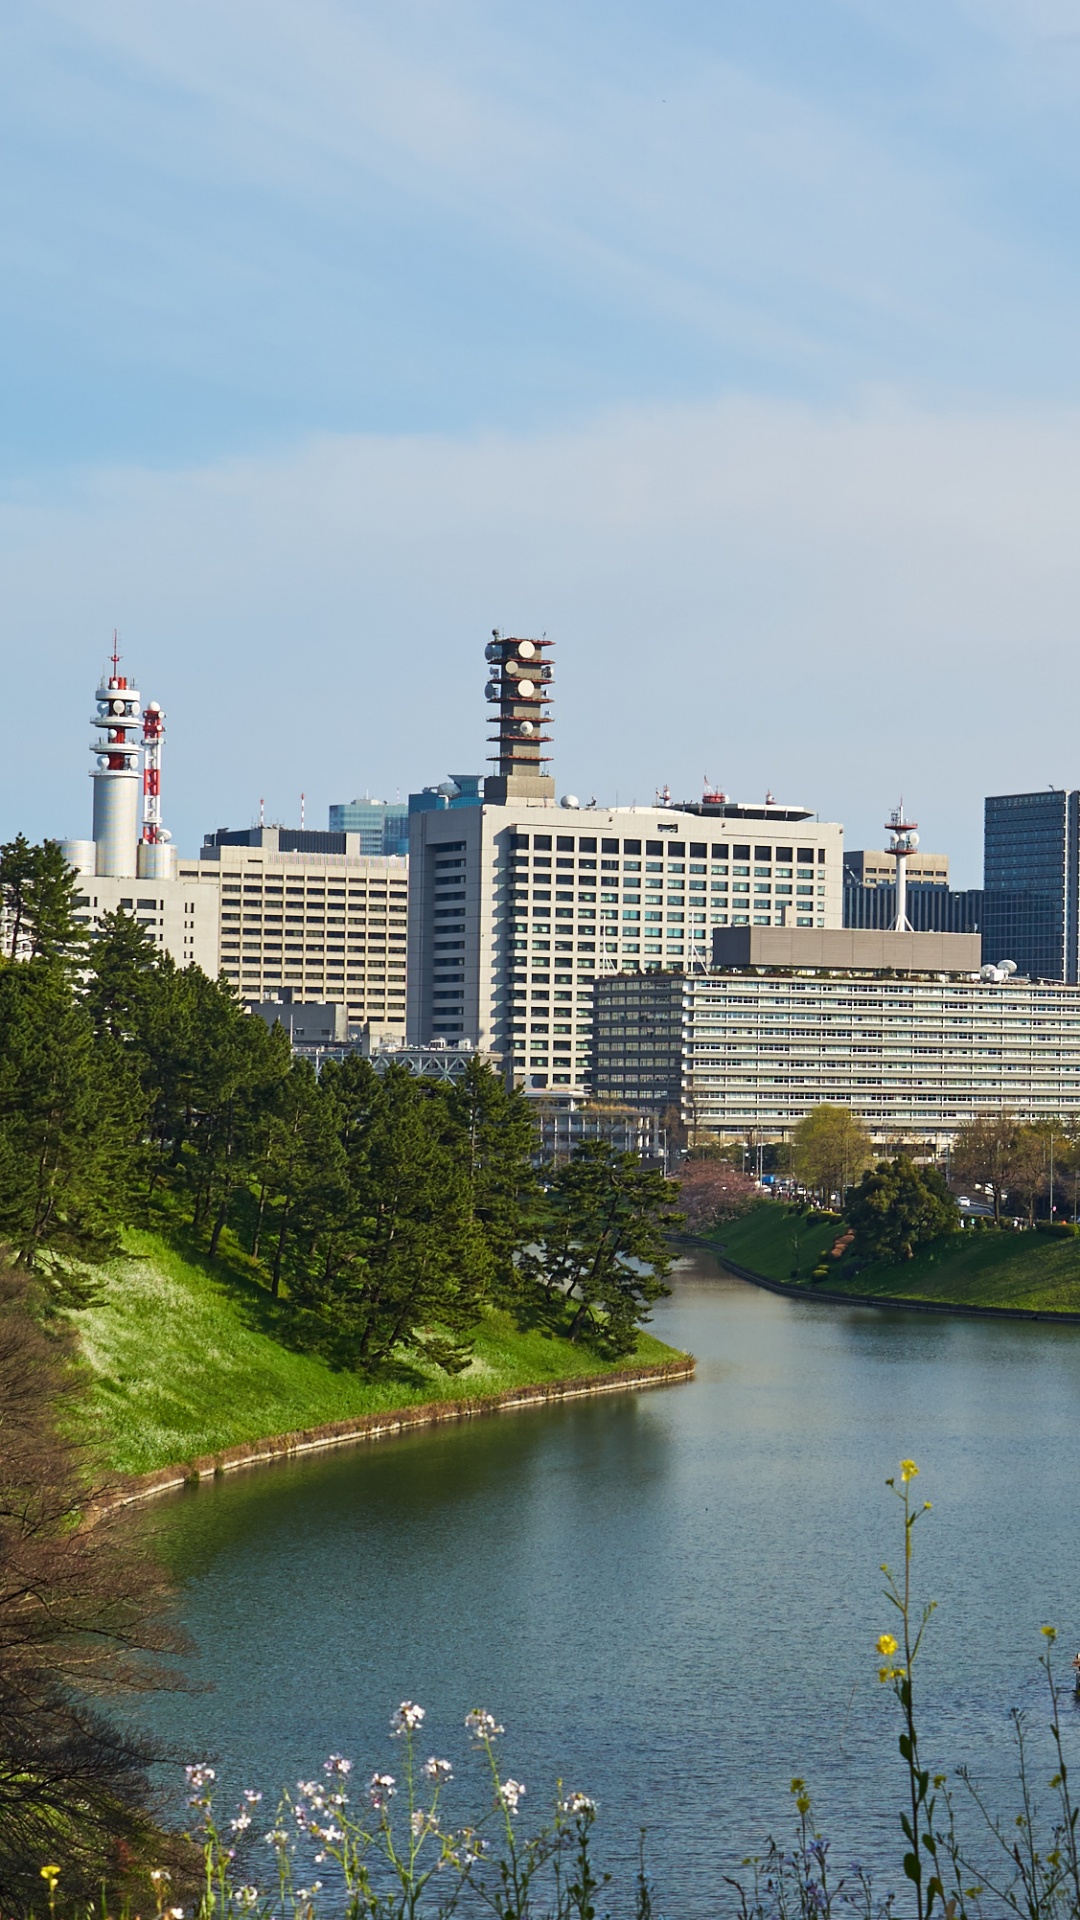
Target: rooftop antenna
x=904 y=841
x=115 y=655
x=262 y=811
x=301 y=813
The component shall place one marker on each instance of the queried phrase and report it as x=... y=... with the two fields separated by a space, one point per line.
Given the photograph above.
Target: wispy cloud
x=832 y=603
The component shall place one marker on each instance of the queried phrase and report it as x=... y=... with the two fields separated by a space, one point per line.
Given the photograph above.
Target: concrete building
x=180 y=915
x=902 y=1028
x=1031 y=882
x=876 y=867
x=309 y=913
x=518 y=904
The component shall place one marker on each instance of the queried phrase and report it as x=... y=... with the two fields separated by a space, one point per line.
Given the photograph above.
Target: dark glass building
x=930 y=909
x=1031 y=880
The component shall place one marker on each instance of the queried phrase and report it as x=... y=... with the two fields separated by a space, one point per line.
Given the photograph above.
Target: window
x=740 y=853
x=806 y=853
x=762 y=853
x=609 y=846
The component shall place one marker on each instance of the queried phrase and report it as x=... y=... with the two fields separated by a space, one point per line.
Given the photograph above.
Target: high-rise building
x=308 y=912
x=902 y=1028
x=1031 y=882
x=518 y=904
x=382 y=825
x=930 y=909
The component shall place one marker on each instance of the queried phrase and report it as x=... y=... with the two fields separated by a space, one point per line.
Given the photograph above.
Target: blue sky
x=735 y=345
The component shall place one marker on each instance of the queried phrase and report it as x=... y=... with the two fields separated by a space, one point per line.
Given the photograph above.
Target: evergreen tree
x=121 y=977
x=897 y=1206
x=499 y=1139
x=37 y=892
x=605 y=1242
x=70 y=1113
x=403 y=1262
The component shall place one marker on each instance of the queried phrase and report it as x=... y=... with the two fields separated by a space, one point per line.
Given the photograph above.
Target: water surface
x=669 y=1597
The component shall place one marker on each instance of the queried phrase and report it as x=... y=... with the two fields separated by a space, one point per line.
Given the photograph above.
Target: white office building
x=904 y=1029
x=308 y=915
x=518 y=904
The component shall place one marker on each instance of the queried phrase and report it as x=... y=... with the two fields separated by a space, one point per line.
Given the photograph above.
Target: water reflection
x=672 y=1596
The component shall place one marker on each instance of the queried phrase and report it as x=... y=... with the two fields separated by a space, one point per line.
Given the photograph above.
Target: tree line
x=387 y=1209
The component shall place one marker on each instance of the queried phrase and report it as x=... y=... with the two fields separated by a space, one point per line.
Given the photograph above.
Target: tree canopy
x=389 y=1211
x=899 y=1205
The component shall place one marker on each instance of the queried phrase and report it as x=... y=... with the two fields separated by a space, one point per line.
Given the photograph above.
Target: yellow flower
x=52 y=1875
x=886 y=1644
x=1048 y=1633
x=908 y=1470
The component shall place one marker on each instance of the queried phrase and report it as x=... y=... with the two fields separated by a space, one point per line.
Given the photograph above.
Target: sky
x=731 y=343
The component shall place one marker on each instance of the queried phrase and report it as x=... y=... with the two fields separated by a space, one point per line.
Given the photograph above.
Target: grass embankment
x=186 y=1357
x=992 y=1269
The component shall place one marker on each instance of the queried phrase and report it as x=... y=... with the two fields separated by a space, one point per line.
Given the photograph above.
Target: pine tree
x=37 y=892
x=499 y=1139
x=70 y=1112
x=605 y=1242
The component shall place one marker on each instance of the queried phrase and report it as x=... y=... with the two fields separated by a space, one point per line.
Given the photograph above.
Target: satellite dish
x=493 y=650
x=527 y=728
x=912 y=841
x=526 y=649
x=449 y=789
x=571 y=801
x=526 y=690
x=1006 y=966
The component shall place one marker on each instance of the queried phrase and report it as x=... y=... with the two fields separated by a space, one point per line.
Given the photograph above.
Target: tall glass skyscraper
x=1031 y=882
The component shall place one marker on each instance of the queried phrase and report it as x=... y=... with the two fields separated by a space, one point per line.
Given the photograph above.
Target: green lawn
x=765 y=1240
x=186 y=1357
x=967 y=1269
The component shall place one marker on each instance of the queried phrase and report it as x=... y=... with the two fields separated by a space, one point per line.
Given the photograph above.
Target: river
x=670 y=1597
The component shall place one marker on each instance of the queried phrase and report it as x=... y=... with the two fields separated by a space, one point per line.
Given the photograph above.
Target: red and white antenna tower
x=153 y=739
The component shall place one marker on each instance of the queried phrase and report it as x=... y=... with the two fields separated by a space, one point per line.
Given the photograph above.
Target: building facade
x=518 y=903
x=1031 y=882
x=179 y=914
x=516 y=908
x=915 y=1053
x=382 y=826
x=876 y=867
x=308 y=912
x=930 y=909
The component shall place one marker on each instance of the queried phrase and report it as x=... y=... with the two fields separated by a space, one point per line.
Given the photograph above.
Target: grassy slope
x=970 y=1269
x=187 y=1357
x=763 y=1240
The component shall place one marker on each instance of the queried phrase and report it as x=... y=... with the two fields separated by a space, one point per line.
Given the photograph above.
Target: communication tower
x=520 y=677
x=116 y=773
x=157 y=858
x=904 y=840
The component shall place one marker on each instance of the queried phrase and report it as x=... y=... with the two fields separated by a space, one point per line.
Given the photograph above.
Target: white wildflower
x=482 y=1725
x=578 y=1803
x=510 y=1792
x=406 y=1718
x=439 y=1770
x=381 y=1788
x=241 y=1823
x=337 y=1764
